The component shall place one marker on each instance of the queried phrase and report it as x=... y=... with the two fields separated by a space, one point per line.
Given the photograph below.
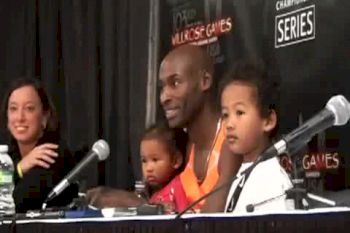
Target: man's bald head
x=190 y=57
x=186 y=76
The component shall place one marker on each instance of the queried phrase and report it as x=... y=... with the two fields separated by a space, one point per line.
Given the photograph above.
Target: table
x=333 y=220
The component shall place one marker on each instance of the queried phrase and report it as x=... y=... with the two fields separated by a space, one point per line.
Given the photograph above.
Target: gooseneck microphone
x=336 y=112
x=99 y=151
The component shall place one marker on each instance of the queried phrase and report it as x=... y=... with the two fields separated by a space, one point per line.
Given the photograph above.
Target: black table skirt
x=335 y=222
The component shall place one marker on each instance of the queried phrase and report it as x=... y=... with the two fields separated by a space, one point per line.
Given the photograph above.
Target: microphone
x=336 y=112
x=100 y=151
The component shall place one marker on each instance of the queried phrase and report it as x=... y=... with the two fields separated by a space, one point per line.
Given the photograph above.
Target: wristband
x=19 y=171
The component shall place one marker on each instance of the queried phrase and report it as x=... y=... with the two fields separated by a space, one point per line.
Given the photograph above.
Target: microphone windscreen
x=101 y=148
x=340 y=107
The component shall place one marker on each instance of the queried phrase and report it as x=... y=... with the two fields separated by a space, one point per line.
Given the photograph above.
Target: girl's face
x=158 y=165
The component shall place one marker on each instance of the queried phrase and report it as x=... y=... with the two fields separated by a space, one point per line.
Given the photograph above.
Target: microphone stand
x=307 y=195
x=297 y=193
x=301 y=192
x=297 y=175
x=297 y=181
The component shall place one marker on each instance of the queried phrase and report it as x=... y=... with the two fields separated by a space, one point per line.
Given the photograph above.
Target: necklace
x=218 y=126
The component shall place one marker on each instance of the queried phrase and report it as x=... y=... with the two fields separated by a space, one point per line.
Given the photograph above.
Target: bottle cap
x=139 y=186
x=4 y=148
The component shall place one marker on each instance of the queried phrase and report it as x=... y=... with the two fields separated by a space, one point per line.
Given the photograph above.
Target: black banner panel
x=307 y=46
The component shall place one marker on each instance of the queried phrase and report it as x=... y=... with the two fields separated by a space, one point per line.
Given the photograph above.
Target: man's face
x=180 y=95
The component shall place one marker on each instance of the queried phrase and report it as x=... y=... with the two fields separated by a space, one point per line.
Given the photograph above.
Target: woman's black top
x=31 y=191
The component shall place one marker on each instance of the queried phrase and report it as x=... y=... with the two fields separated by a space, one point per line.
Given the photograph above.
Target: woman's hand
x=42 y=156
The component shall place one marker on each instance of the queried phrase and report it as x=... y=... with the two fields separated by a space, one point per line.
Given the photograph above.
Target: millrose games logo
x=295 y=27
x=201 y=34
x=313 y=163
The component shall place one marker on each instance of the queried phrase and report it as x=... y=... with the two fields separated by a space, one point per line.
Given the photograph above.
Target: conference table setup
x=150 y=218
x=336 y=219
x=164 y=104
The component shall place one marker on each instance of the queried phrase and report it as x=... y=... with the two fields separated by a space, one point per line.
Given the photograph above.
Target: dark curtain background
x=92 y=57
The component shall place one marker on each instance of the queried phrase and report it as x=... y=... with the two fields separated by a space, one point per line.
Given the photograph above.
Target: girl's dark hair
x=52 y=126
x=175 y=139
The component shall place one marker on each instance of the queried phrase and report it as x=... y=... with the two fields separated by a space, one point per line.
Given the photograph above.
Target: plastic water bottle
x=140 y=189
x=7 y=204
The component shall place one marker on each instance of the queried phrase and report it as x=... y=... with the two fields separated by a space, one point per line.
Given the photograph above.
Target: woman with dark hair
x=33 y=133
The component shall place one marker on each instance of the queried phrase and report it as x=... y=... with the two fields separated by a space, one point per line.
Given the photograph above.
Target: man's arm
x=103 y=197
x=228 y=167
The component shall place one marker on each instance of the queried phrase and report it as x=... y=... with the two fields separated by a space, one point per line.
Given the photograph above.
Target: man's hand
x=104 y=197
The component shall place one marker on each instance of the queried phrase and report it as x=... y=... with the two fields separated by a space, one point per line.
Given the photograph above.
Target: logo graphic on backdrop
x=202 y=34
x=313 y=163
x=284 y=4
x=183 y=16
x=295 y=27
x=201 y=23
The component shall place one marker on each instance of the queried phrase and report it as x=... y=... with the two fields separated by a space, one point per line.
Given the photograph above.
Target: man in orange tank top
x=186 y=76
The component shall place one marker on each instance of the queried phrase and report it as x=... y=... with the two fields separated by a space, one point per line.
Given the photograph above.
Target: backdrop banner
x=307 y=47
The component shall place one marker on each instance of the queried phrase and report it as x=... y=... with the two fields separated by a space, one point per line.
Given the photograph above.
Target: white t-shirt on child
x=267 y=180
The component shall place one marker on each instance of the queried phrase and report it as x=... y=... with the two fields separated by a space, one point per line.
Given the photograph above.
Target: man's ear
x=178 y=160
x=270 y=121
x=206 y=80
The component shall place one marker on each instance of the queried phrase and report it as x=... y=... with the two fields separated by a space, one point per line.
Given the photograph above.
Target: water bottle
x=7 y=204
x=140 y=189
